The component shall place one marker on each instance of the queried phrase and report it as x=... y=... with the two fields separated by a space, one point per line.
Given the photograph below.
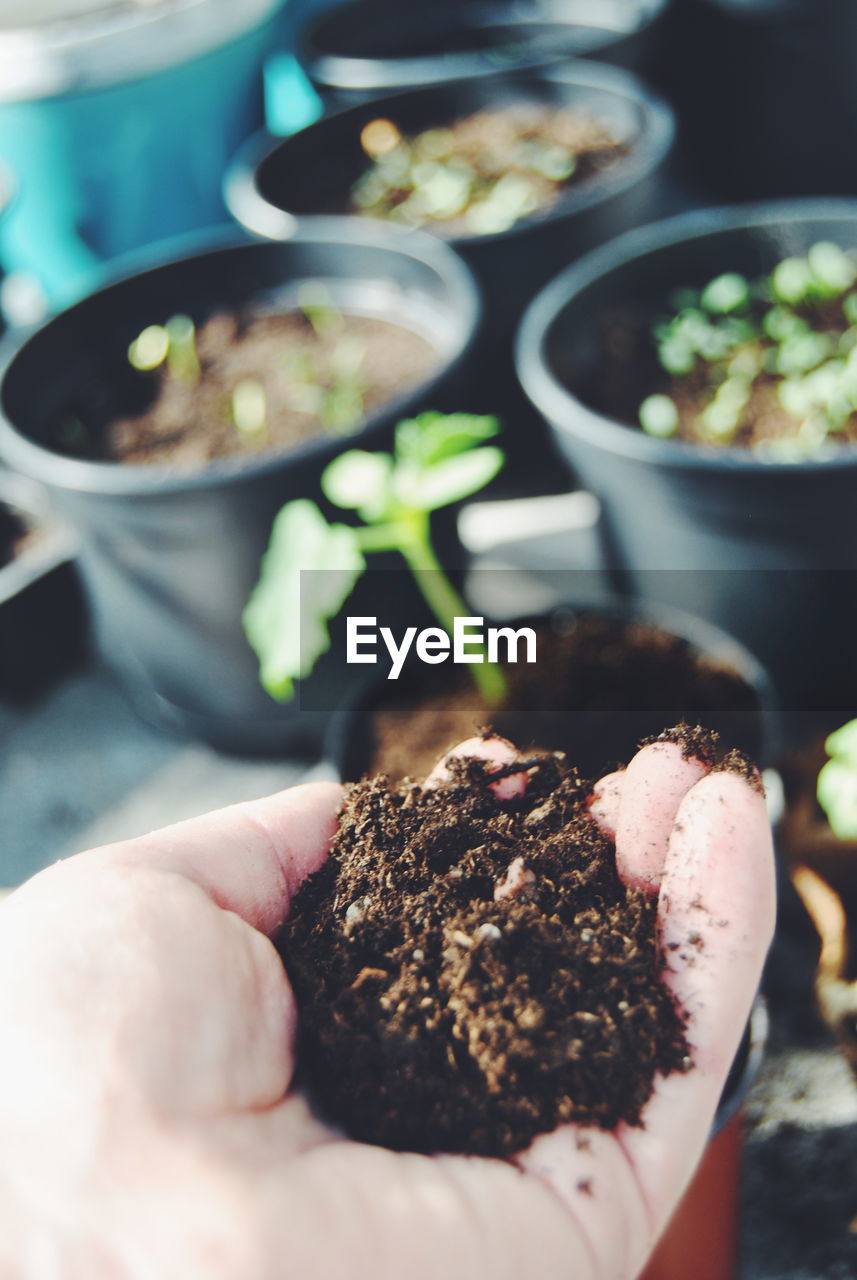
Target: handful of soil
x=472 y=972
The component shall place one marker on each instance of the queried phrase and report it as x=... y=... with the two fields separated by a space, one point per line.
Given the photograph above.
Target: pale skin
x=147 y=1123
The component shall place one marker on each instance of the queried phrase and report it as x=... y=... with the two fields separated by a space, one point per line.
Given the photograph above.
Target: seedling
x=250 y=412
x=338 y=403
x=786 y=342
x=489 y=170
x=438 y=459
x=173 y=342
x=837 y=782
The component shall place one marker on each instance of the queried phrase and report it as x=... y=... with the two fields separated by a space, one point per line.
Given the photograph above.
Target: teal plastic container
x=119 y=122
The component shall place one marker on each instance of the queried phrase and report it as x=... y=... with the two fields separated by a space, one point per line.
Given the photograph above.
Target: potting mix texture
x=472 y=972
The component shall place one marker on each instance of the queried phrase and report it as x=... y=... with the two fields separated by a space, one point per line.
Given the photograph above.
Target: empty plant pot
x=767 y=550
x=170 y=556
x=375 y=47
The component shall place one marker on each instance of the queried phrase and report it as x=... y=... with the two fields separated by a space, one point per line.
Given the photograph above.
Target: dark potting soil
x=599 y=687
x=471 y=973
x=185 y=426
x=482 y=173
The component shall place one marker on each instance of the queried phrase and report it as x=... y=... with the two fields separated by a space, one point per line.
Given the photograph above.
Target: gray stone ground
x=81 y=769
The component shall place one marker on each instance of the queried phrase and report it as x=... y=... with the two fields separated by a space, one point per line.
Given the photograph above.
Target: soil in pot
x=471 y=972
x=482 y=173
x=599 y=687
x=766 y=364
x=246 y=383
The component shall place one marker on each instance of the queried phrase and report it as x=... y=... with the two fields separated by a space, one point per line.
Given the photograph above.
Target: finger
x=717 y=908
x=493 y=750
x=604 y=802
x=653 y=786
x=249 y=858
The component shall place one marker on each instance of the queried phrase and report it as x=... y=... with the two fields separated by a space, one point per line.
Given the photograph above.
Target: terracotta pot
x=701 y=1240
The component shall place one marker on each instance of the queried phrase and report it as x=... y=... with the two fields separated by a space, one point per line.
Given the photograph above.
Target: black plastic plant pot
x=43 y=627
x=368 y=49
x=766 y=550
x=170 y=557
x=782 y=74
x=684 y=669
x=313 y=172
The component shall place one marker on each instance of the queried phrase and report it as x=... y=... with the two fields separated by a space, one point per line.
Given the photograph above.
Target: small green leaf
x=728 y=292
x=250 y=411
x=792 y=279
x=433 y=436
x=843 y=742
x=359 y=481
x=426 y=488
x=837 y=795
x=659 y=416
x=287 y=632
x=149 y=349
x=832 y=267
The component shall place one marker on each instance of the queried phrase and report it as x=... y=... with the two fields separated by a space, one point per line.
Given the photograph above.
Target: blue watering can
x=118 y=121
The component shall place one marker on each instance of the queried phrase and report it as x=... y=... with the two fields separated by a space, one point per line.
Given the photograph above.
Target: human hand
x=147 y=1125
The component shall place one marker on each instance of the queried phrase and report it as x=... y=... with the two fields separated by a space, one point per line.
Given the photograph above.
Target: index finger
x=716 y=910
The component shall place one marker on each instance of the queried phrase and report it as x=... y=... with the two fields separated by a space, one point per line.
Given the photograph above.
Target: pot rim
x=115 y=44
x=56 y=545
x=655 y=140
x=342 y=72
x=118 y=478
x=572 y=416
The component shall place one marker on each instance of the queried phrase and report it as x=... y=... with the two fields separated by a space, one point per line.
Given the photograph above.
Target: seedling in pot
x=250 y=412
x=438 y=459
x=770 y=363
x=837 y=782
x=338 y=402
x=173 y=342
x=481 y=174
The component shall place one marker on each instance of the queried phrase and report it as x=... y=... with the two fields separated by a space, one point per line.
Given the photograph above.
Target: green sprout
x=462 y=173
x=837 y=782
x=250 y=412
x=340 y=404
x=438 y=459
x=173 y=342
x=782 y=335
x=319 y=309
x=659 y=416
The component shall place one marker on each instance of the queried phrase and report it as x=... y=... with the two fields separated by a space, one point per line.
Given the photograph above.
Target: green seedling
x=735 y=334
x=250 y=412
x=438 y=176
x=175 y=343
x=659 y=416
x=319 y=309
x=438 y=459
x=837 y=782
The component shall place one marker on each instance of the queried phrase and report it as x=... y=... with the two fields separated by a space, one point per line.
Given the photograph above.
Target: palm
x=174 y=1024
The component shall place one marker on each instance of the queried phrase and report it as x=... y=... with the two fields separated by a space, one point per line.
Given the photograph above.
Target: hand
x=147 y=1127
